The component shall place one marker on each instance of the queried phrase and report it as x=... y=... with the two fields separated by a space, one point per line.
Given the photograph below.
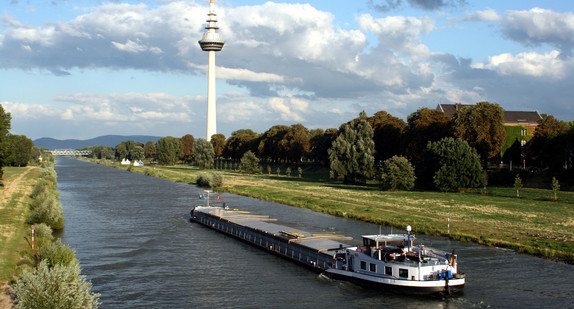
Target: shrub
x=217 y=180
x=54 y=253
x=57 y=287
x=47 y=210
x=249 y=163
x=50 y=175
x=43 y=231
x=203 y=180
x=214 y=180
x=397 y=174
x=43 y=185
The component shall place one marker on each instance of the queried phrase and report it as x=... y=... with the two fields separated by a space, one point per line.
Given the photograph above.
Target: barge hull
x=314 y=253
x=454 y=286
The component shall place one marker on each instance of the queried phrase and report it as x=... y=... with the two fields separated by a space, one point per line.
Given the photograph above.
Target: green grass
x=534 y=223
x=12 y=216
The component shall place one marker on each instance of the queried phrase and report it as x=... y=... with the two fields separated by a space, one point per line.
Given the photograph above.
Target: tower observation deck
x=211 y=42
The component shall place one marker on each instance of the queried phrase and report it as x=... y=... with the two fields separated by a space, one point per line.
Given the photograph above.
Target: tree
x=149 y=149
x=320 y=142
x=137 y=153
x=555 y=187
x=297 y=140
x=299 y=171
x=218 y=143
x=423 y=126
x=249 y=163
x=273 y=145
x=121 y=151
x=397 y=174
x=168 y=150
x=5 y=119
x=517 y=185
x=351 y=155
x=482 y=127
x=238 y=144
x=57 y=287
x=20 y=150
x=548 y=147
x=450 y=164
x=203 y=154
x=188 y=142
x=387 y=134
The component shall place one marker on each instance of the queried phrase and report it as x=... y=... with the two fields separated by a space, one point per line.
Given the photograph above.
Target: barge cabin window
x=364 y=265
x=403 y=273
x=388 y=270
x=373 y=267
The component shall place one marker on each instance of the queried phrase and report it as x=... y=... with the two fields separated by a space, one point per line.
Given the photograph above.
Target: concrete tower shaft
x=211 y=42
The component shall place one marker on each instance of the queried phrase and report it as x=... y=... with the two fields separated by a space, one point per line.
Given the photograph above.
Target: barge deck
x=315 y=251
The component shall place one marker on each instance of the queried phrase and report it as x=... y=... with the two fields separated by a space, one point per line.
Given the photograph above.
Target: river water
x=135 y=243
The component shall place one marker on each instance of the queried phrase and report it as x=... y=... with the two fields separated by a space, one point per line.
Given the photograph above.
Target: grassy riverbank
x=14 y=200
x=532 y=224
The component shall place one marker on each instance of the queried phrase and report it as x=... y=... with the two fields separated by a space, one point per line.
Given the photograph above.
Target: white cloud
x=547 y=65
x=541 y=26
x=484 y=15
x=135 y=47
x=286 y=109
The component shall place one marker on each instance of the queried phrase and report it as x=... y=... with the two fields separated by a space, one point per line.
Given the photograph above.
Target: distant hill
x=107 y=140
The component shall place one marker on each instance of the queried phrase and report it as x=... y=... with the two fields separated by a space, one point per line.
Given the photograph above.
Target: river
x=135 y=243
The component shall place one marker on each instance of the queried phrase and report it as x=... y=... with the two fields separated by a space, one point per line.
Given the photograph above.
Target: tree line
x=357 y=150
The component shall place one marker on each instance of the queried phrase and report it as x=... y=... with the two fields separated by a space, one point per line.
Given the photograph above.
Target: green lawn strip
x=536 y=227
x=14 y=230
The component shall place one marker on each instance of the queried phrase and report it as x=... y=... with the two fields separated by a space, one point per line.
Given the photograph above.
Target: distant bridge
x=71 y=152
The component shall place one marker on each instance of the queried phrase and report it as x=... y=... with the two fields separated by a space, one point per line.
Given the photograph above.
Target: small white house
x=125 y=162
x=138 y=163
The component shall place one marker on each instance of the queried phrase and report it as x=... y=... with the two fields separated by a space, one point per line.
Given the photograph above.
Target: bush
x=214 y=180
x=43 y=185
x=46 y=208
x=249 y=163
x=56 y=287
x=43 y=231
x=203 y=180
x=217 y=180
x=54 y=253
x=397 y=174
x=50 y=175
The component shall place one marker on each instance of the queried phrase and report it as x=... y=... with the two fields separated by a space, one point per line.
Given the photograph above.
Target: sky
x=78 y=69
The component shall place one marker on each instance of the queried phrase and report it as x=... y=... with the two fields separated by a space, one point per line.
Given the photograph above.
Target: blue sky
x=81 y=69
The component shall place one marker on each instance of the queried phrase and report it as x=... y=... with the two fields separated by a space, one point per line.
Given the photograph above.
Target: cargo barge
x=384 y=262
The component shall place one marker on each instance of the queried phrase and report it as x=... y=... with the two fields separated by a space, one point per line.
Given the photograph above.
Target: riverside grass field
x=14 y=233
x=533 y=224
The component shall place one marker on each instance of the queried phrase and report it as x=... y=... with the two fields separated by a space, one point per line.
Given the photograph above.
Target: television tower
x=211 y=42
